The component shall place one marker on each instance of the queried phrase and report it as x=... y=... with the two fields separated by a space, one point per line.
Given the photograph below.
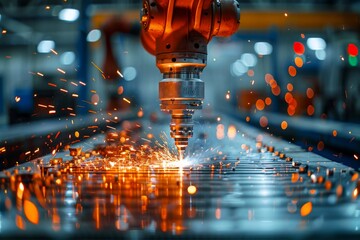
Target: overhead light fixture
x=45 y=46
x=94 y=35
x=249 y=59
x=129 y=73
x=67 y=58
x=263 y=48
x=316 y=43
x=69 y=14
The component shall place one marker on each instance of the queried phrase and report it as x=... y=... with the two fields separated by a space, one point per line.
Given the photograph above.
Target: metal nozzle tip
x=181 y=155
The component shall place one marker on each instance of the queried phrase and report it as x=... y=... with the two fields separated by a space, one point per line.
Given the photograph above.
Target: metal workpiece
x=177 y=33
x=230 y=187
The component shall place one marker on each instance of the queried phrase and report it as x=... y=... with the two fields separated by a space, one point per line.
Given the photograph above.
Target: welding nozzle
x=180 y=95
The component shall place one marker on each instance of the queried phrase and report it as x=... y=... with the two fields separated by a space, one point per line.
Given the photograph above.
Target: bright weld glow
x=69 y=14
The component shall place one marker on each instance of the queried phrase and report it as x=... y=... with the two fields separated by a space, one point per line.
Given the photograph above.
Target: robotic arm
x=177 y=33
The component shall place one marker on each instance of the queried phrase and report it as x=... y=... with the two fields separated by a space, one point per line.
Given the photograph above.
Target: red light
x=299 y=48
x=352 y=49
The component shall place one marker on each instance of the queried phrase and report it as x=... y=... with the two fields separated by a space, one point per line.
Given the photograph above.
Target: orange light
x=272 y=83
x=284 y=125
x=250 y=73
x=355 y=193
x=77 y=134
x=310 y=110
x=140 y=113
x=299 y=62
x=260 y=104
x=268 y=101
x=334 y=133
x=310 y=93
x=231 y=132
x=288 y=97
x=306 y=209
x=218 y=213
x=276 y=91
x=327 y=185
x=320 y=146
x=354 y=177
x=191 y=189
x=247 y=119
x=263 y=121
x=295 y=177
x=289 y=87
x=20 y=222
x=31 y=212
x=220 y=131
x=120 y=90
x=291 y=110
x=268 y=77
x=299 y=48
x=292 y=71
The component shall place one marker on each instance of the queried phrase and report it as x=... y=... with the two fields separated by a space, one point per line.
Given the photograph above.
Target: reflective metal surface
x=235 y=182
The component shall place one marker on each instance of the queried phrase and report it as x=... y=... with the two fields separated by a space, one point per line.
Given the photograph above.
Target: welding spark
x=17 y=99
x=53 y=51
x=127 y=100
x=356 y=157
x=61 y=71
x=120 y=74
x=40 y=74
x=97 y=67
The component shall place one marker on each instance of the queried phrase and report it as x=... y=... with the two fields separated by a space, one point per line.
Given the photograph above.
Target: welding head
x=177 y=33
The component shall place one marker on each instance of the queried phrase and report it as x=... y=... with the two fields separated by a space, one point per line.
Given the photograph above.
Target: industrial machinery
x=177 y=33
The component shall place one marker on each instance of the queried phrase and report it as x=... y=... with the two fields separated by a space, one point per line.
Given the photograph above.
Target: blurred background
x=291 y=69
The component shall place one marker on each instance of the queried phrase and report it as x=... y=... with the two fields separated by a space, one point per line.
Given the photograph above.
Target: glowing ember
x=284 y=125
x=306 y=209
x=127 y=100
x=263 y=121
x=227 y=96
x=260 y=104
x=292 y=71
x=310 y=93
x=191 y=189
x=60 y=70
x=17 y=99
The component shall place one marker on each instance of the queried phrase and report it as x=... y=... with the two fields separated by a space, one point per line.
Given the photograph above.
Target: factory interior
x=154 y=119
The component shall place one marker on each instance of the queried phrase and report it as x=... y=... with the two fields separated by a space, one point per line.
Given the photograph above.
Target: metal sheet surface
x=235 y=182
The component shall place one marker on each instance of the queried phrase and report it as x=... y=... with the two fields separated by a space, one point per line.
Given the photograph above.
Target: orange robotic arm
x=177 y=33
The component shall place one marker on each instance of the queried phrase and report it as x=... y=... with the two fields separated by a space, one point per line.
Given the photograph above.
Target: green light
x=353 y=61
